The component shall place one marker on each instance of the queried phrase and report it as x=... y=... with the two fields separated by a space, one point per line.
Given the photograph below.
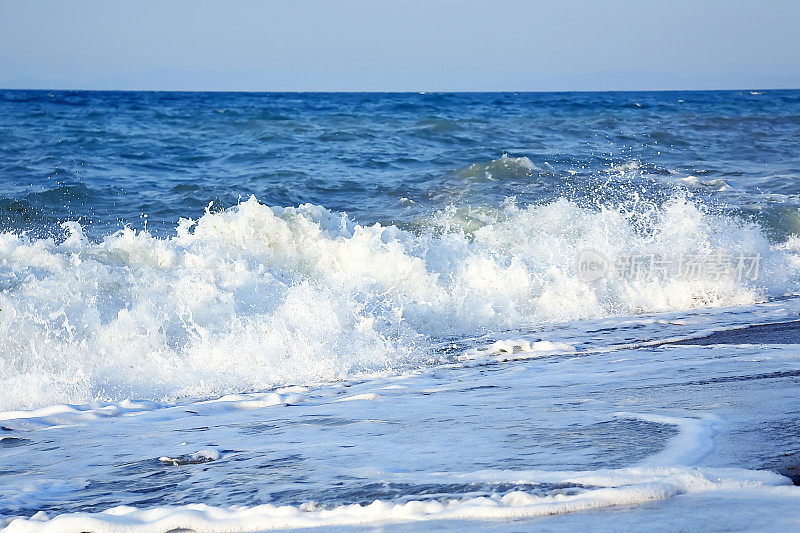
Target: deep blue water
x=109 y=158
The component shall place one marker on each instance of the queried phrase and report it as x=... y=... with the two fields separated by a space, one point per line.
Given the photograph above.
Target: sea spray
x=256 y=296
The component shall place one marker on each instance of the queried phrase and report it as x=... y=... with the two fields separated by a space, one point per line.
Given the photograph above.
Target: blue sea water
x=243 y=311
x=108 y=158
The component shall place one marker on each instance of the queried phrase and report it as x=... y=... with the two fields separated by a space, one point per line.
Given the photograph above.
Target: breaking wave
x=256 y=296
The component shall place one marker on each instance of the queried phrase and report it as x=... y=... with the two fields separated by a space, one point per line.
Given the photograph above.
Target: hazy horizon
x=438 y=46
x=256 y=91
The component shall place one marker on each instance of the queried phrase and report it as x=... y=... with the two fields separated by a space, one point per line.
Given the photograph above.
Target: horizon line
x=307 y=91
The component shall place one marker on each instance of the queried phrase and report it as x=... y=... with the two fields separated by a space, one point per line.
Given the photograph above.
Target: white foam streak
x=625 y=487
x=519 y=349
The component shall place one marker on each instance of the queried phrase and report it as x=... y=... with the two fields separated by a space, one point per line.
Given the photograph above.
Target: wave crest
x=257 y=296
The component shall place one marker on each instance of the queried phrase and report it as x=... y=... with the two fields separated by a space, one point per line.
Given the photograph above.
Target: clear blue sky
x=400 y=46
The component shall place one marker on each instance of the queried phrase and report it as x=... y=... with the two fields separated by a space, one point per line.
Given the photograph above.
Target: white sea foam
x=254 y=297
x=624 y=487
x=519 y=349
x=359 y=397
x=498 y=169
x=64 y=414
x=202 y=456
x=717 y=184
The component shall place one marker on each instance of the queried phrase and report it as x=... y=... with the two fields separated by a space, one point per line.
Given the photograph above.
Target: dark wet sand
x=776 y=333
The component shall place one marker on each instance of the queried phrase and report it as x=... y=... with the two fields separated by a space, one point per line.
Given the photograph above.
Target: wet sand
x=776 y=333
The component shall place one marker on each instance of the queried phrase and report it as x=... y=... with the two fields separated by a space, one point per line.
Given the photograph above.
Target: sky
x=430 y=45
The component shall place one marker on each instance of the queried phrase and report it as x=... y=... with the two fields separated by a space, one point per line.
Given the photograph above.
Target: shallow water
x=485 y=427
x=365 y=309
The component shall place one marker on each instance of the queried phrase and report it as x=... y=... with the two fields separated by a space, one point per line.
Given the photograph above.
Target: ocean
x=444 y=311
